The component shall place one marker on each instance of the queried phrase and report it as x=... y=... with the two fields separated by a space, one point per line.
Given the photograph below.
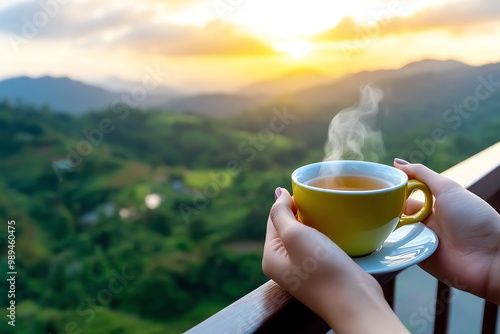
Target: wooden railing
x=270 y=309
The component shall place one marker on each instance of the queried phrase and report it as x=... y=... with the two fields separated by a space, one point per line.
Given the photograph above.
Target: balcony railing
x=270 y=309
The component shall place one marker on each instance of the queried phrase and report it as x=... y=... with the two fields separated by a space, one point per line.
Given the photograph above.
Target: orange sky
x=209 y=45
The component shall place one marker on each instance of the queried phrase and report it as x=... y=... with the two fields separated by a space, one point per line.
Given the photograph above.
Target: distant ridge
x=432 y=65
x=61 y=94
x=216 y=104
x=416 y=76
x=289 y=82
x=302 y=87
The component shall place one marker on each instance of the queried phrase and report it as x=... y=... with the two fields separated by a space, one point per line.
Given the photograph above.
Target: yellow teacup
x=358 y=220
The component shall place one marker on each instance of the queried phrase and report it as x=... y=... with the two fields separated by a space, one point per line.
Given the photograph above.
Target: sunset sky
x=210 y=45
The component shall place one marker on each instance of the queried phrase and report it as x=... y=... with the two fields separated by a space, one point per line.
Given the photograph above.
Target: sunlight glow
x=297 y=49
x=152 y=201
x=283 y=19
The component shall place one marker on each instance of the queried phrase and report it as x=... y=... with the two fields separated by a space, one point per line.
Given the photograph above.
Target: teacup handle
x=426 y=209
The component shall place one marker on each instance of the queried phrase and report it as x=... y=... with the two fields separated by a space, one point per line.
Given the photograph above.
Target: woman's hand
x=318 y=273
x=468 y=255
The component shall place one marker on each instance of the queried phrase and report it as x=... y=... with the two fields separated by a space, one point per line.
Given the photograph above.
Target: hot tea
x=349 y=182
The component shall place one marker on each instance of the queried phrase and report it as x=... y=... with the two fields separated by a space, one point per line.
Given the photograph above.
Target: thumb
x=437 y=183
x=282 y=214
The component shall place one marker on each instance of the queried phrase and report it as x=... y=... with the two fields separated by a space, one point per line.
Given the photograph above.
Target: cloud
x=126 y=27
x=455 y=17
x=53 y=20
x=177 y=3
x=345 y=30
x=215 y=38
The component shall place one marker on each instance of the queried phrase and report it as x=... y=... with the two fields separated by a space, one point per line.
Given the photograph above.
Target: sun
x=286 y=20
x=297 y=49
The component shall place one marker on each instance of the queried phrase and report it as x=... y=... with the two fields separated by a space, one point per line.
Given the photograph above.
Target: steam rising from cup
x=353 y=133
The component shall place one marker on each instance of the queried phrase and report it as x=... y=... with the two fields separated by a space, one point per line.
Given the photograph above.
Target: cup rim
x=402 y=183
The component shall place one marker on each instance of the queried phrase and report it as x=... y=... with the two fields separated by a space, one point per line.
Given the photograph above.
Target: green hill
x=79 y=204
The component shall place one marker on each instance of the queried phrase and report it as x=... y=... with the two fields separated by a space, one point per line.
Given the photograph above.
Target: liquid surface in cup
x=348 y=182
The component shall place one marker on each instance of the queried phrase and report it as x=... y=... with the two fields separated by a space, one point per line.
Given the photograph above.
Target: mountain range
x=63 y=94
x=306 y=88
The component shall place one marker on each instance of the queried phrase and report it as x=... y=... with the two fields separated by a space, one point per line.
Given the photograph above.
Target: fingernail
x=277 y=193
x=401 y=161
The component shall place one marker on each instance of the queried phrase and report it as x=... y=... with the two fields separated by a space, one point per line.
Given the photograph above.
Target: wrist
x=493 y=287
x=360 y=310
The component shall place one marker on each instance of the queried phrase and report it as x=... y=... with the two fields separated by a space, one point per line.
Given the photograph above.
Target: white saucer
x=408 y=245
